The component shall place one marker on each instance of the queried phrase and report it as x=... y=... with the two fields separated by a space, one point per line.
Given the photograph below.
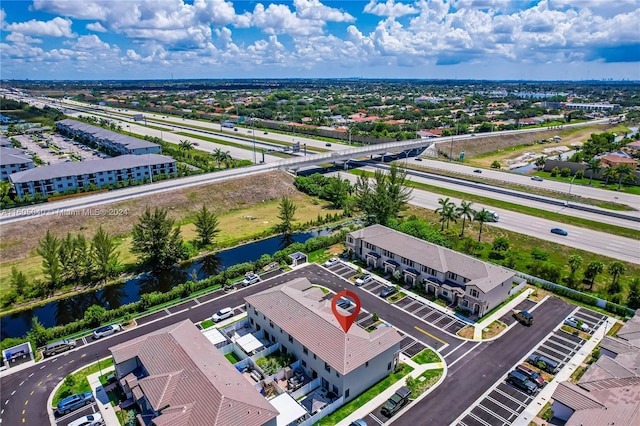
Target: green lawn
x=427 y=356
x=232 y=357
x=613 y=183
x=79 y=382
x=207 y=324
x=424 y=381
x=365 y=397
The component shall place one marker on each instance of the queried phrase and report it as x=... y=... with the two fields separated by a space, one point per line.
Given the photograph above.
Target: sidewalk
x=545 y=394
x=486 y=321
x=381 y=398
x=102 y=399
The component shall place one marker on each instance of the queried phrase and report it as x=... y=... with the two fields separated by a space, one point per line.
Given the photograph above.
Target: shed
x=298 y=258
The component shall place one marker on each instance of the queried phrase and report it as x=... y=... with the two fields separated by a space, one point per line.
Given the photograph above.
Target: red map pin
x=345 y=320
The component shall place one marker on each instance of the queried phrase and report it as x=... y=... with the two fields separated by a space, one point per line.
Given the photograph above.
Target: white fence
x=330 y=408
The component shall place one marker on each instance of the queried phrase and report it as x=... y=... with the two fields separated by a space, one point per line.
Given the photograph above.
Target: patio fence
x=299 y=393
x=330 y=408
x=519 y=287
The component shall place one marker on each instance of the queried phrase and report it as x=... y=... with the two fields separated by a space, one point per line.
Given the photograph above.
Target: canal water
x=70 y=309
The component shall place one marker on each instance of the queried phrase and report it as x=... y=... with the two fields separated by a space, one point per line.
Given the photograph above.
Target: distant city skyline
x=424 y=39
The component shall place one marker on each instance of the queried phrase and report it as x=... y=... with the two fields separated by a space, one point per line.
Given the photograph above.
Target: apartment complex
x=13 y=161
x=106 y=139
x=59 y=178
x=298 y=316
x=608 y=393
x=465 y=281
x=177 y=377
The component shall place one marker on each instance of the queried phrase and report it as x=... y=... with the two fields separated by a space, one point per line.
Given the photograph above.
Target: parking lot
x=505 y=403
x=53 y=148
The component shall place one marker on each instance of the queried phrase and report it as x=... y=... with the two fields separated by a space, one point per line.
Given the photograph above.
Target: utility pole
x=253 y=130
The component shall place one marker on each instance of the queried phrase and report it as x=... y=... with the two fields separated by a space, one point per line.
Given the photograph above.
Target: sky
x=426 y=39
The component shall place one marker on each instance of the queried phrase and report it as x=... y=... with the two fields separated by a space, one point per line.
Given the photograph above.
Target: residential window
x=327 y=368
x=366 y=364
x=337 y=374
x=314 y=356
x=270 y=324
x=290 y=339
x=266 y=335
x=389 y=366
x=346 y=394
x=452 y=276
x=251 y=321
x=304 y=363
x=474 y=293
x=335 y=390
x=273 y=339
x=305 y=350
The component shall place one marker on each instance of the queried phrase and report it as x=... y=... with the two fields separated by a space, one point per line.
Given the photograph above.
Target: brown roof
x=303 y=312
x=191 y=381
x=481 y=274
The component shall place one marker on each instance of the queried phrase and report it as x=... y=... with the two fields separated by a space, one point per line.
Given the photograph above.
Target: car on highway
x=266 y=133
x=533 y=375
x=559 y=231
x=73 y=402
x=537 y=178
x=327 y=144
x=222 y=314
x=477 y=171
x=418 y=159
x=576 y=323
x=363 y=279
x=106 y=330
x=94 y=419
x=235 y=129
x=387 y=291
x=333 y=261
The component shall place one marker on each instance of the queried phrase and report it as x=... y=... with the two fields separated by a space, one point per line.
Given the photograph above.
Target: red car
x=532 y=375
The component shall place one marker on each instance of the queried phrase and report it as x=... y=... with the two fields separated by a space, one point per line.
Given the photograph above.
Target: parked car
x=73 y=402
x=477 y=171
x=363 y=279
x=106 y=330
x=396 y=402
x=343 y=303
x=222 y=314
x=559 y=231
x=576 y=323
x=523 y=317
x=94 y=419
x=533 y=375
x=543 y=363
x=387 y=291
x=250 y=279
x=522 y=382
x=358 y=422
x=537 y=178
x=331 y=262
x=58 y=347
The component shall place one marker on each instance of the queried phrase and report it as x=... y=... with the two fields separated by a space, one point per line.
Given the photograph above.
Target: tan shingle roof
x=193 y=379
x=308 y=319
x=481 y=274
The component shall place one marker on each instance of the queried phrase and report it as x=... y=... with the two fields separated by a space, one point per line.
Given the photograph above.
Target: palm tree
x=609 y=173
x=575 y=260
x=445 y=211
x=185 y=145
x=615 y=269
x=540 y=161
x=592 y=271
x=594 y=167
x=465 y=212
x=219 y=156
x=482 y=216
x=623 y=170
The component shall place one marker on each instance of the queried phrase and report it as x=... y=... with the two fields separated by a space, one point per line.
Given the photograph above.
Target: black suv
x=521 y=381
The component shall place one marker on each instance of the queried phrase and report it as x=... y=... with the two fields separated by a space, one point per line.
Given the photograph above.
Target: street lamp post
x=253 y=131
x=99 y=366
x=569 y=194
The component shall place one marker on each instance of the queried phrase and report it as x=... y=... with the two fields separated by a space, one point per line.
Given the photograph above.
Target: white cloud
x=314 y=9
x=57 y=27
x=97 y=27
x=389 y=9
x=19 y=38
x=279 y=19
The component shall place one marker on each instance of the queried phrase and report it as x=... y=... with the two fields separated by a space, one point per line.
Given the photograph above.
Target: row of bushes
x=95 y=315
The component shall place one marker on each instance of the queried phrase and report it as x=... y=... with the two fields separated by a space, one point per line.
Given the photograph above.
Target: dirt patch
x=336 y=249
x=20 y=239
x=467 y=332
x=538 y=293
x=493 y=330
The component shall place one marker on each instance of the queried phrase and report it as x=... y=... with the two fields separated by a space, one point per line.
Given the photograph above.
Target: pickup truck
x=523 y=316
x=396 y=402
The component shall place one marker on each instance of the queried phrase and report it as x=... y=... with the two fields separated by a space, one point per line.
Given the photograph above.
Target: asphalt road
x=24 y=393
x=471 y=377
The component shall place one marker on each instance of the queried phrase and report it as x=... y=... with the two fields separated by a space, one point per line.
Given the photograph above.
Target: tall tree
x=482 y=216
x=465 y=212
x=444 y=211
x=382 y=198
x=156 y=239
x=49 y=250
x=104 y=254
x=593 y=270
x=594 y=167
x=616 y=269
x=219 y=156
x=185 y=146
x=633 y=300
x=18 y=281
x=575 y=261
x=609 y=173
x=337 y=191
x=623 y=170
x=287 y=212
x=206 y=223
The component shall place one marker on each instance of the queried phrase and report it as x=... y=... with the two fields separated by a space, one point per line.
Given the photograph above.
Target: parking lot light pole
x=99 y=366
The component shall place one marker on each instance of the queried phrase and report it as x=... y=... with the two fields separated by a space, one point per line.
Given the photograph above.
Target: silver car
x=576 y=323
x=106 y=330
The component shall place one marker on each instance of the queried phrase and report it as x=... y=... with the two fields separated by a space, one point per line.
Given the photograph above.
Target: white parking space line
x=575 y=346
x=506 y=395
x=482 y=407
x=479 y=419
x=548 y=355
x=502 y=405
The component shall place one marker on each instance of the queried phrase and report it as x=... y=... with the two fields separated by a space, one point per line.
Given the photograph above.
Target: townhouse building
x=177 y=377
x=59 y=178
x=298 y=316
x=13 y=161
x=465 y=281
x=106 y=139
